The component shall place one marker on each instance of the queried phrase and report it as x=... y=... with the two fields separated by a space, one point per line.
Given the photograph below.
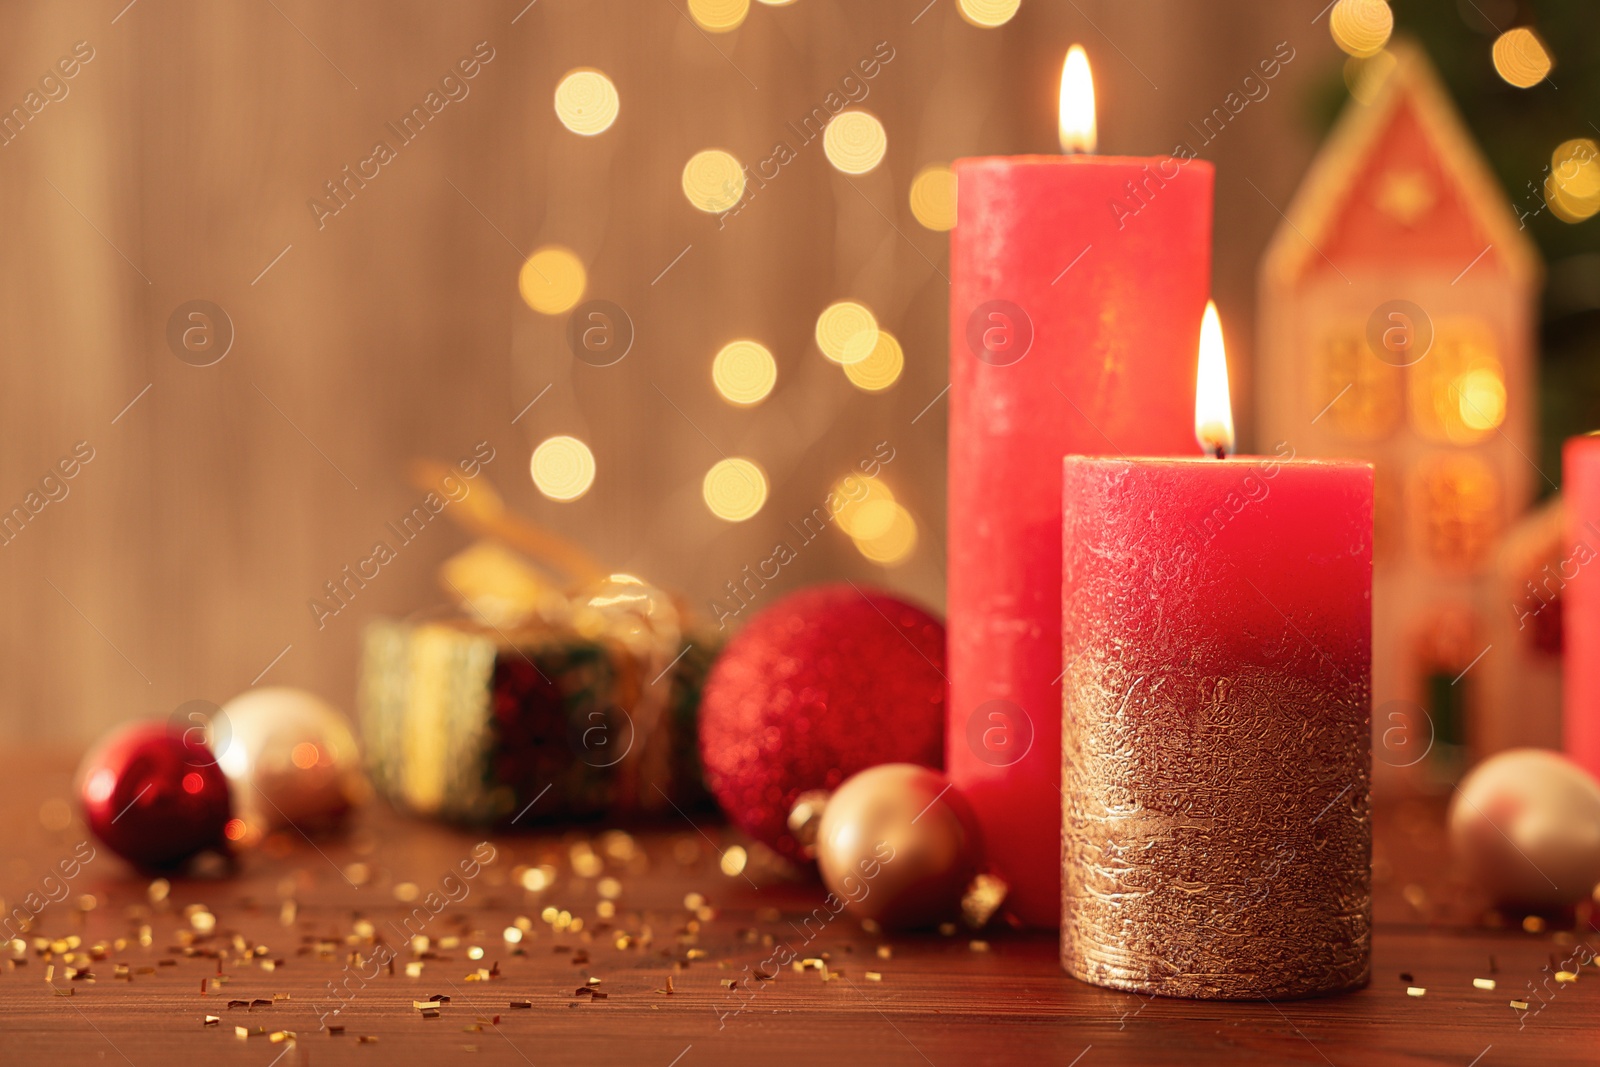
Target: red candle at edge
x=1580 y=603
x=1077 y=286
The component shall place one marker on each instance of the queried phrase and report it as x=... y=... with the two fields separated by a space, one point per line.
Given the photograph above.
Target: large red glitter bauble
x=154 y=796
x=827 y=682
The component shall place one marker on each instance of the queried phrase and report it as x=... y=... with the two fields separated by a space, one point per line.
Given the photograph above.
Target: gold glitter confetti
x=734 y=489
x=933 y=197
x=874 y=976
x=881 y=368
x=552 y=280
x=988 y=13
x=1520 y=1005
x=586 y=102
x=619 y=845
x=1483 y=983
x=1415 y=991
x=734 y=860
x=982 y=899
x=744 y=372
x=406 y=892
x=847 y=332
x=713 y=180
x=719 y=16
x=562 y=468
x=1566 y=977
x=586 y=863
x=854 y=141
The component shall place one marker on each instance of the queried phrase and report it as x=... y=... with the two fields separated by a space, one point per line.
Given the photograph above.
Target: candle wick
x=1221 y=451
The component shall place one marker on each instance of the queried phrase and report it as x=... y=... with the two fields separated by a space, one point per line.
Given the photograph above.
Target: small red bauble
x=154 y=795
x=827 y=682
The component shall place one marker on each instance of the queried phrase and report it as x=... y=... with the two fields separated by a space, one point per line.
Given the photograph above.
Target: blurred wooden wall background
x=179 y=164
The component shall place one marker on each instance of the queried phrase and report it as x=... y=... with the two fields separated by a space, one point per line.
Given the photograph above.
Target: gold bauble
x=898 y=845
x=291 y=762
x=1526 y=825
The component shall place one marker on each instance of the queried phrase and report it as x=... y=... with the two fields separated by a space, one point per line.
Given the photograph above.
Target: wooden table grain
x=896 y=999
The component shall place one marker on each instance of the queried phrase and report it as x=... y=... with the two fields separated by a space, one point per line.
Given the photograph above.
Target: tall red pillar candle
x=1216 y=745
x=1077 y=285
x=1580 y=603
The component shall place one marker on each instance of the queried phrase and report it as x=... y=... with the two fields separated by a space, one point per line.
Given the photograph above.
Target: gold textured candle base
x=1215 y=845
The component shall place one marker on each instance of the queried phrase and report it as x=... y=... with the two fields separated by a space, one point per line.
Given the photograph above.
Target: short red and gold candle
x=1077 y=283
x=1216 y=735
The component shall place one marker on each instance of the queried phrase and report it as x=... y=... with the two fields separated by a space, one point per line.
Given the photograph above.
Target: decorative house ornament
x=1396 y=325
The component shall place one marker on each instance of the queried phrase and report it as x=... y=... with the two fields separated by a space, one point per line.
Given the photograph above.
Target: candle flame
x=1213 y=412
x=1077 y=125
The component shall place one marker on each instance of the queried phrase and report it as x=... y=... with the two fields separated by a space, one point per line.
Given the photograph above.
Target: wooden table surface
x=936 y=999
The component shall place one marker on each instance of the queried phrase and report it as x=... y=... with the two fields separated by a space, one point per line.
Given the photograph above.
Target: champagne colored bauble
x=154 y=796
x=291 y=761
x=1526 y=825
x=824 y=683
x=898 y=845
